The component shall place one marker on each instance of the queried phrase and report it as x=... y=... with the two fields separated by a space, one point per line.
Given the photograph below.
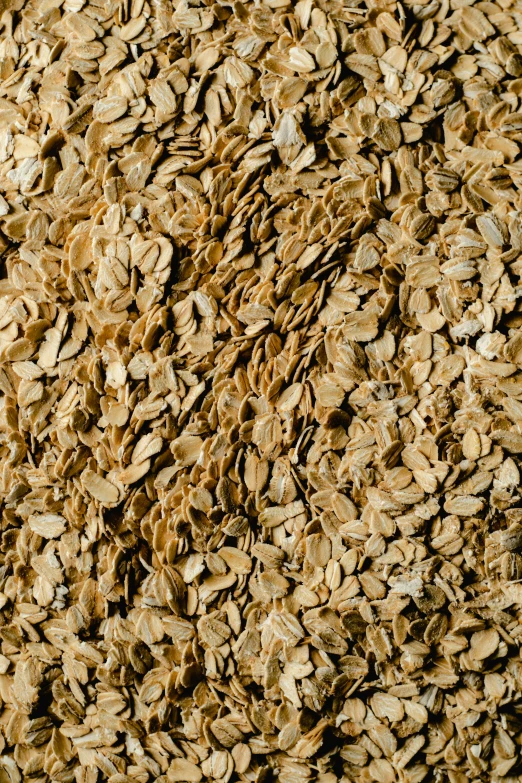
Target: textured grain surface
x=261 y=391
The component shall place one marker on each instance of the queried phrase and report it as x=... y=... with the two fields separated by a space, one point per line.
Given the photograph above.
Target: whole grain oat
x=261 y=391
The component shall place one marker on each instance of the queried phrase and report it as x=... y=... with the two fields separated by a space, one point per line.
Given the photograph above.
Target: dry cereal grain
x=260 y=391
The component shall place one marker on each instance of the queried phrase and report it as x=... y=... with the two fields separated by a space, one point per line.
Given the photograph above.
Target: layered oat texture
x=261 y=398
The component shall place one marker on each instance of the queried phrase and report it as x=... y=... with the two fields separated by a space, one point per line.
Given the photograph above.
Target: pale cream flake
x=47 y=525
x=100 y=488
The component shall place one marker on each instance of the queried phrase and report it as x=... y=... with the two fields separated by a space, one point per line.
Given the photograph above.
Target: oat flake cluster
x=261 y=391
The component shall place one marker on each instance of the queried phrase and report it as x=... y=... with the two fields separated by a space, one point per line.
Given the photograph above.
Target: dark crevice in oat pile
x=261 y=391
